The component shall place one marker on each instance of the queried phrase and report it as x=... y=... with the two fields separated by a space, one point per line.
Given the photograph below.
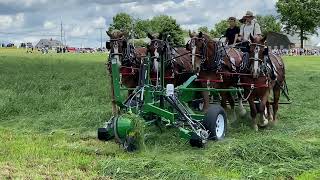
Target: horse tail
x=283 y=84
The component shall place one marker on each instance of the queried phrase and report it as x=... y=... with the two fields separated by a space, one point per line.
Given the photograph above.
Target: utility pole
x=61 y=29
x=64 y=38
x=100 y=36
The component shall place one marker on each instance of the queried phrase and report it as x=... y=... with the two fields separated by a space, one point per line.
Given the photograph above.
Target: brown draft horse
x=262 y=83
x=128 y=58
x=178 y=66
x=208 y=60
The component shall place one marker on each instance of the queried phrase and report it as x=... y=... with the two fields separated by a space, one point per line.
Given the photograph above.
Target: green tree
x=204 y=29
x=302 y=16
x=268 y=23
x=158 y=24
x=141 y=28
x=167 y=26
x=219 y=29
x=121 y=21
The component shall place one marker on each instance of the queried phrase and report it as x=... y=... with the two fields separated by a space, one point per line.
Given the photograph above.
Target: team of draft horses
x=242 y=61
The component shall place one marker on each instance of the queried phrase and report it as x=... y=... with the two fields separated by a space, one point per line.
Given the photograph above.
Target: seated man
x=232 y=32
x=251 y=27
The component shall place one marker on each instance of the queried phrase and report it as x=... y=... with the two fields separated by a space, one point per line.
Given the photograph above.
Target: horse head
x=203 y=50
x=158 y=47
x=256 y=55
x=117 y=45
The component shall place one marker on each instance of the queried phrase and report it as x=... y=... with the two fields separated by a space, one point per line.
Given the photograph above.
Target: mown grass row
x=51 y=105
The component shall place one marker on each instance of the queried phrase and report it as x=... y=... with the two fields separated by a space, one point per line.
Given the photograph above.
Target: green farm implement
x=161 y=104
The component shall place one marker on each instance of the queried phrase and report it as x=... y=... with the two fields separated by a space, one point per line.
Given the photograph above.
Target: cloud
x=99 y=22
x=49 y=25
x=8 y=21
x=81 y=18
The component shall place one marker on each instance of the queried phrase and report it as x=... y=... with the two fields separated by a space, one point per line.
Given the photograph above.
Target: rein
x=128 y=54
x=217 y=57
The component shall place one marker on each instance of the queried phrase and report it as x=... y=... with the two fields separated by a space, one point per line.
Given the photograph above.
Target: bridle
x=256 y=59
x=165 y=50
x=203 y=49
x=256 y=51
x=127 y=54
x=217 y=57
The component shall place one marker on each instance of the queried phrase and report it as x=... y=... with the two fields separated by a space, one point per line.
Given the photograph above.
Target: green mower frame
x=167 y=104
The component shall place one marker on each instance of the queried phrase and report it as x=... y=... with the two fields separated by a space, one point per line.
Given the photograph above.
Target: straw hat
x=249 y=14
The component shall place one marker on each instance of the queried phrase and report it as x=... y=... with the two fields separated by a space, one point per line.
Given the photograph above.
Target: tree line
x=138 y=28
x=295 y=16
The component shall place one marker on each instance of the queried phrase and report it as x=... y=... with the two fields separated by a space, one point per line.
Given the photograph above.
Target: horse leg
x=253 y=111
x=269 y=116
x=224 y=100
x=262 y=108
x=276 y=97
x=205 y=95
x=241 y=107
x=232 y=105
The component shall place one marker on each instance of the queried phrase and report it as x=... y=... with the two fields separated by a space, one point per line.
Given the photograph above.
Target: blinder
x=108 y=45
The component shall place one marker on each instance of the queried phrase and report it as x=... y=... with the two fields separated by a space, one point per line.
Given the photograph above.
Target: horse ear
x=252 y=38
x=190 y=34
x=200 y=34
x=125 y=33
x=109 y=33
x=160 y=36
x=121 y=34
x=188 y=46
x=150 y=36
x=264 y=39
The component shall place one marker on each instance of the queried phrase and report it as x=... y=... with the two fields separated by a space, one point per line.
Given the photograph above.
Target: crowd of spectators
x=296 y=52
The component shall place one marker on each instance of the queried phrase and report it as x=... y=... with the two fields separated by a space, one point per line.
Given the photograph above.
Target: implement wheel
x=216 y=122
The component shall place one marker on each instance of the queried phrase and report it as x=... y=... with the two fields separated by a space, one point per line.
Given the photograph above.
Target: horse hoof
x=270 y=118
x=243 y=112
x=272 y=123
x=263 y=125
x=264 y=122
x=255 y=128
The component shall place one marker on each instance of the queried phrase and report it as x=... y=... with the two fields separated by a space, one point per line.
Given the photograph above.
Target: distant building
x=29 y=45
x=278 y=41
x=48 y=43
x=295 y=39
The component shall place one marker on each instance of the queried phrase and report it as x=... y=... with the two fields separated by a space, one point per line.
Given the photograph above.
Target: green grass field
x=51 y=106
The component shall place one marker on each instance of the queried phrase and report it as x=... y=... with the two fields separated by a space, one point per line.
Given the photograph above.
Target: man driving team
x=249 y=27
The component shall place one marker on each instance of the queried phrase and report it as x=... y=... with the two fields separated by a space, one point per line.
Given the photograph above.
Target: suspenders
x=254 y=27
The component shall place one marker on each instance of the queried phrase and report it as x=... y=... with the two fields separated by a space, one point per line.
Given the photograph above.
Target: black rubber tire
x=103 y=134
x=210 y=122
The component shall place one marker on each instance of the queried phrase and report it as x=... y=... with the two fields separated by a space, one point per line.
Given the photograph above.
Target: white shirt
x=247 y=29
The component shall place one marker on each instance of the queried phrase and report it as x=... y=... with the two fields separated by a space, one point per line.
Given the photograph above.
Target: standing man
x=232 y=32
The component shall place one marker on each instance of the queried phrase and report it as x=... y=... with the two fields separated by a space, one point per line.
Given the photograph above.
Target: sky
x=31 y=20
